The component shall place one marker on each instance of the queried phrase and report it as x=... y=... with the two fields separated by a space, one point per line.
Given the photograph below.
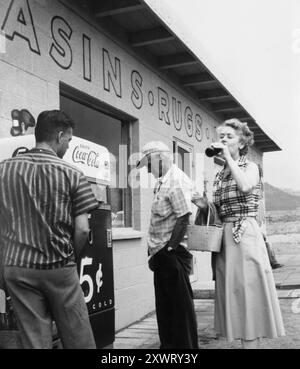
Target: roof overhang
x=137 y=25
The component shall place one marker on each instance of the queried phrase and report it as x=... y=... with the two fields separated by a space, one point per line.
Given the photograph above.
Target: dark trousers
x=176 y=318
x=39 y=296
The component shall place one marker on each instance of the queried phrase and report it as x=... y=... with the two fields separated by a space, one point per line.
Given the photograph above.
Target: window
x=104 y=129
x=183 y=156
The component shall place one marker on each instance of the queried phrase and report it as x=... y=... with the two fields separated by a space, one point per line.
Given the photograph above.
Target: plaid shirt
x=172 y=199
x=233 y=205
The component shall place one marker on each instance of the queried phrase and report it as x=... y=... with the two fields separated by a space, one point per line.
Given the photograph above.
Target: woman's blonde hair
x=247 y=136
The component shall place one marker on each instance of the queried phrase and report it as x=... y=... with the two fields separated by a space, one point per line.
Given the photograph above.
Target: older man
x=169 y=258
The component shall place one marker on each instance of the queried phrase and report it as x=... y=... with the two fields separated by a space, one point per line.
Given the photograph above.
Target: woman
x=246 y=305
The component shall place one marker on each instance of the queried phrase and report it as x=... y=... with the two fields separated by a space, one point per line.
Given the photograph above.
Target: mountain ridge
x=291 y=191
x=279 y=199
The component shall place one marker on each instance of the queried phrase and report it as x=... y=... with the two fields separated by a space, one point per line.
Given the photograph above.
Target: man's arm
x=81 y=232
x=179 y=231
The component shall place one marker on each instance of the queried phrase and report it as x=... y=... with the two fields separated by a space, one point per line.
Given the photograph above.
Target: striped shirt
x=233 y=205
x=172 y=200
x=40 y=195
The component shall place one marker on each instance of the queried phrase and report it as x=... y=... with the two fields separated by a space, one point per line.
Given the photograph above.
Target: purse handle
x=208 y=216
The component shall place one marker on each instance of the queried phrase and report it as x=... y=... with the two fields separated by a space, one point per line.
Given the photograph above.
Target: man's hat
x=152 y=148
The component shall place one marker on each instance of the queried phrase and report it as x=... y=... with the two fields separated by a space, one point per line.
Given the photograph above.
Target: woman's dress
x=246 y=302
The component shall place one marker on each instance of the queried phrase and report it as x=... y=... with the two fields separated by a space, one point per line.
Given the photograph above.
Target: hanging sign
x=91 y=158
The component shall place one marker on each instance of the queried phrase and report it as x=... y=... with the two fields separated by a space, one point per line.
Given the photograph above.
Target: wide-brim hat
x=152 y=147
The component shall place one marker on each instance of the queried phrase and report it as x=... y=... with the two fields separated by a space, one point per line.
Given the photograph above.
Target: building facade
x=121 y=92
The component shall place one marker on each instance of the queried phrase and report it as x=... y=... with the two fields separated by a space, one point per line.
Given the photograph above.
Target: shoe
x=276 y=266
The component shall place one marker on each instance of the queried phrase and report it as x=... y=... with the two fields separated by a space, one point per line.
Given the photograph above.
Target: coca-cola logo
x=82 y=154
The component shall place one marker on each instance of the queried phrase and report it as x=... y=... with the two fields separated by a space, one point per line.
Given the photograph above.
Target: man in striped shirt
x=44 y=205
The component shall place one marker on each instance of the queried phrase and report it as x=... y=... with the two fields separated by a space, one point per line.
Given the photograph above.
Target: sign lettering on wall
x=136 y=94
x=87 y=58
x=61 y=51
x=19 y=22
x=112 y=73
x=63 y=47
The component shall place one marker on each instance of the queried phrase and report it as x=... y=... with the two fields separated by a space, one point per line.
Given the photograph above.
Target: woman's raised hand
x=199 y=200
x=225 y=151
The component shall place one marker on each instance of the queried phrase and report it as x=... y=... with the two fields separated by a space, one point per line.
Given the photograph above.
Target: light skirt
x=246 y=303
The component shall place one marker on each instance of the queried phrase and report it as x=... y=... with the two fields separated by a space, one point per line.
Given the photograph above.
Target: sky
x=253 y=48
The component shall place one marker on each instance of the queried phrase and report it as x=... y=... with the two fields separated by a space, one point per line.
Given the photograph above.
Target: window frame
x=177 y=142
x=188 y=148
x=126 y=134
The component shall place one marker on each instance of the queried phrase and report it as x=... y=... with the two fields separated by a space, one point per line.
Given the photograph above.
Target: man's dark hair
x=49 y=123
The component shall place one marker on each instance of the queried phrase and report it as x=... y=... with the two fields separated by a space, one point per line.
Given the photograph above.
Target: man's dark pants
x=39 y=296
x=175 y=311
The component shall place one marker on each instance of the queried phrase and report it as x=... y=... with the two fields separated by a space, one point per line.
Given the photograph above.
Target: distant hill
x=278 y=199
x=291 y=192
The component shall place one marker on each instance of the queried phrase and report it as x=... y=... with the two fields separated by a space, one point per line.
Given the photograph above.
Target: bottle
x=212 y=151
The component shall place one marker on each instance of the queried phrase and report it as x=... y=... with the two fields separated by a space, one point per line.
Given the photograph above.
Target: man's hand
x=178 y=232
x=225 y=153
x=81 y=232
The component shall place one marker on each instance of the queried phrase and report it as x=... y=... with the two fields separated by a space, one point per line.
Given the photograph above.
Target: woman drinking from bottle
x=246 y=304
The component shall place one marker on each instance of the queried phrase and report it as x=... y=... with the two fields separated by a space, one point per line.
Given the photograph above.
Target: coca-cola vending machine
x=95 y=264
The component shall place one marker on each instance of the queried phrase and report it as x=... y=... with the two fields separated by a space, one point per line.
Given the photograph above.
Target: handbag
x=205 y=237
